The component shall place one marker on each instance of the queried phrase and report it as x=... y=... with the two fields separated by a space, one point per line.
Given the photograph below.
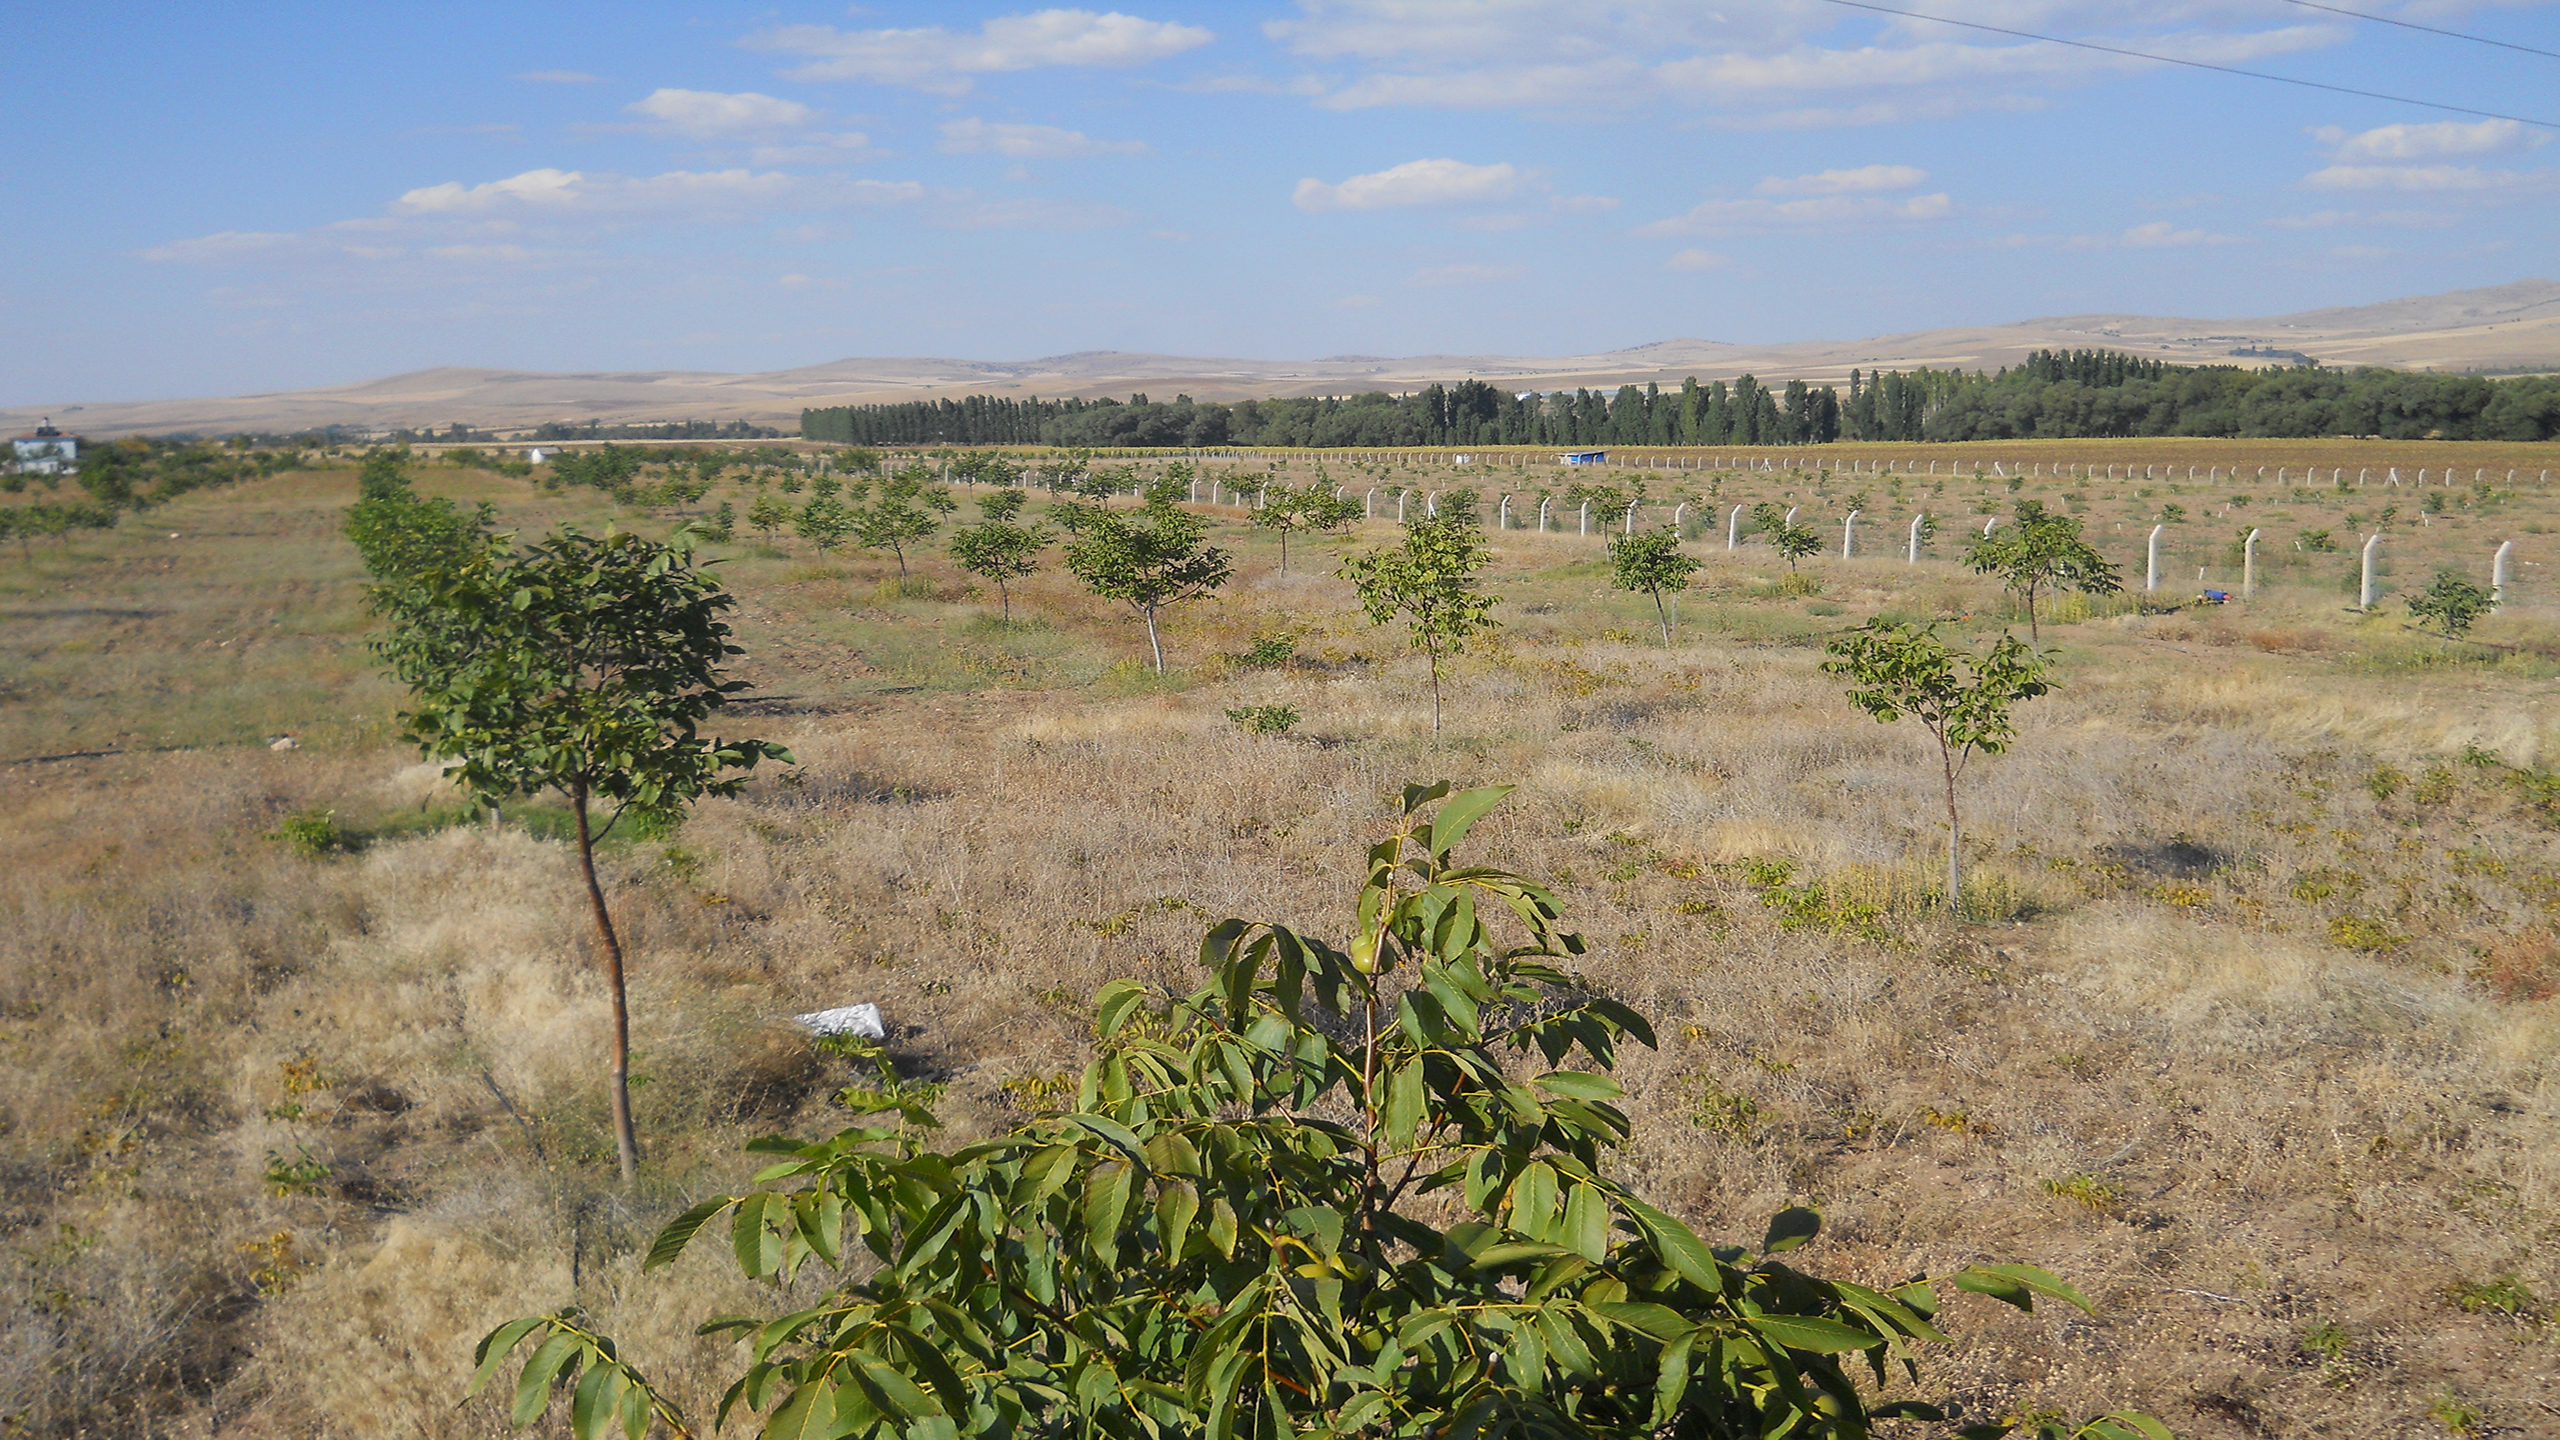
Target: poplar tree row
x=2052 y=395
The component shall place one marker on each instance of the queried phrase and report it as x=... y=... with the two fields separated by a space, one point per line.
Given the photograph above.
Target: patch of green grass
x=2086 y=1190
x=2457 y=1415
x=2498 y=1295
x=2355 y=932
x=310 y=832
x=297 y=1174
x=1269 y=650
x=1729 y=1113
x=1265 y=719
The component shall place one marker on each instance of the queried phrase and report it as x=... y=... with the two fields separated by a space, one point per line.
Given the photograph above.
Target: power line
x=2430 y=29
x=2199 y=64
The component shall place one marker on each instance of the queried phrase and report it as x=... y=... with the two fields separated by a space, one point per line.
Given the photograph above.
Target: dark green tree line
x=2053 y=394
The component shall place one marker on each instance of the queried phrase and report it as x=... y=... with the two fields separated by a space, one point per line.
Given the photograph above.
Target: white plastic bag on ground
x=862 y=1020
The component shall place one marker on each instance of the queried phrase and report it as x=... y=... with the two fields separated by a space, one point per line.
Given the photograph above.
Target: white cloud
x=2157 y=235
x=1582 y=204
x=1570 y=56
x=815 y=148
x=1954 y=62
x=560 y=77
x=1028 y=142
x=709 y=114
x=677 y=192
x=2420 y=160
x=1468 y=30
x=2420 y=179
x=501 y=254
x=1468 y=274
x=537 y=187
x=2430 y=141
x=2327 y=219
x=1697 y=260
x=1416 y=182
x=1844 y=182
x=935 y=59
x=772 y=131
x=551 y=215
x=1718 y=217
x=2160 y=234
x=1506 y=88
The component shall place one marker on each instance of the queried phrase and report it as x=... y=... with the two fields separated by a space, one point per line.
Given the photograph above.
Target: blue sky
x=221 y=199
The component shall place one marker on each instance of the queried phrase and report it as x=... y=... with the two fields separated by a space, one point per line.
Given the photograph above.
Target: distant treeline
x=2053 y=395
x=653 y=430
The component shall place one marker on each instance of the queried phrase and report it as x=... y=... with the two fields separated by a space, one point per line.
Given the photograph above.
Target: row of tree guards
x=1954 y=470
x=1220 y=493
x=1911 y=469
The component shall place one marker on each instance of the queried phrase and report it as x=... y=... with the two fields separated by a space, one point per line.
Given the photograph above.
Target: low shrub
x=1265 y=719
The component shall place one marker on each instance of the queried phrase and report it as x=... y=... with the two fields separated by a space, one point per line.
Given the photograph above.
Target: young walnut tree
x=2452 y=603
x=2041 y=550
x=1795 y=541
x=1333 y=1192
x=1311 y=507
x=1962 y=700
x=1147 y=558
x=1429 y=579
x=768 y=514
x=825 y=522
x=999 y=548
x=903 y=514
x=582 y=664
x=1652 y=563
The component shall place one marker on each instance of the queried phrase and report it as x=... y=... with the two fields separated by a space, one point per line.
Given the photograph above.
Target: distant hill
x=2503 y=328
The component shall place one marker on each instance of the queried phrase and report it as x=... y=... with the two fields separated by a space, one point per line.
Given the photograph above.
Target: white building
x=46 y=451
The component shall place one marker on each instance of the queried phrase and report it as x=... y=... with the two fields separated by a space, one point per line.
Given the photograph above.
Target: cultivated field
x=2252 y=1027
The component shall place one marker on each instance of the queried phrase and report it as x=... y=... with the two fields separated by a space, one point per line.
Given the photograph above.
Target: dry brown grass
x=2244 y=1041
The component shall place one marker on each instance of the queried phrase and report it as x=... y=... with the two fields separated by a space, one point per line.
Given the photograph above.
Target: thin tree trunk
x=1946 y=759
x=1432 y=648
x=625 y=1143
x=1007 y=597
x=1666 y=619
x=2035 y=639
x=1152 y=642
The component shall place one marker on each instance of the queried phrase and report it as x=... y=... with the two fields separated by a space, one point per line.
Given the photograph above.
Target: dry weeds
x=2246 y=1036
